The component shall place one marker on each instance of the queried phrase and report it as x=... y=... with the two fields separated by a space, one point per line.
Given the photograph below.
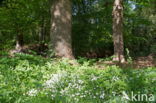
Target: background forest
x=77 y=51
x=91 y=25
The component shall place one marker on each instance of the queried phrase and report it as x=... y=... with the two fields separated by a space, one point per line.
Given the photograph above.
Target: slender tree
x=42 y=34
x=61 y=28
x=19 y=42
x=118 y=31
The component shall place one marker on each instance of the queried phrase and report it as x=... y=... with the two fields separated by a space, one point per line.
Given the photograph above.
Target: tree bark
x=42 y=30
x=42 y=35
x=19 y=42
x=61 y=28
x=118 y=31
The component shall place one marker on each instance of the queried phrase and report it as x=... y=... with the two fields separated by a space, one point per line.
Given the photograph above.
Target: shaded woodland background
x=91 y=27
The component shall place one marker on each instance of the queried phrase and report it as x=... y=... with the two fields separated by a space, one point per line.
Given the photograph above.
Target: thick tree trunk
x=118 y=31
x=19 y=42
x=61 y=28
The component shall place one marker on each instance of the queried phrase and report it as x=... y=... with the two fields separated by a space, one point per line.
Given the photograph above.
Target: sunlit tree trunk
x=61 y=28
x=118 y=31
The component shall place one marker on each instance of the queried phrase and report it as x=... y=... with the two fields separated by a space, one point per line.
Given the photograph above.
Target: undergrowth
x=33 y=79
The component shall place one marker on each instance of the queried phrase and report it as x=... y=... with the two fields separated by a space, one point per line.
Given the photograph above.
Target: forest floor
x=137 y=63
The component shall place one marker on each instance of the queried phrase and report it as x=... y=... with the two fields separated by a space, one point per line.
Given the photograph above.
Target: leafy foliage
x=26 y=78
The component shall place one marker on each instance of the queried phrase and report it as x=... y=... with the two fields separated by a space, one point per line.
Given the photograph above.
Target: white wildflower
x=102 y=95
x=115 y=78
x=63 y=91
x=32 y=92
x=97 y=94
x=80 y=81
x=55 y=79
x=77 y=94
x=114 y=93
x=94 y=78
x=86 y=91
x=73 y=95
x=94 y=96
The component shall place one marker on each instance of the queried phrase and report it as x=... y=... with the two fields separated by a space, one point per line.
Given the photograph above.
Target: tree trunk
x=118 y=31
x=61 y=28
x=42 y=31
x=42 y=35
x=19 y=42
